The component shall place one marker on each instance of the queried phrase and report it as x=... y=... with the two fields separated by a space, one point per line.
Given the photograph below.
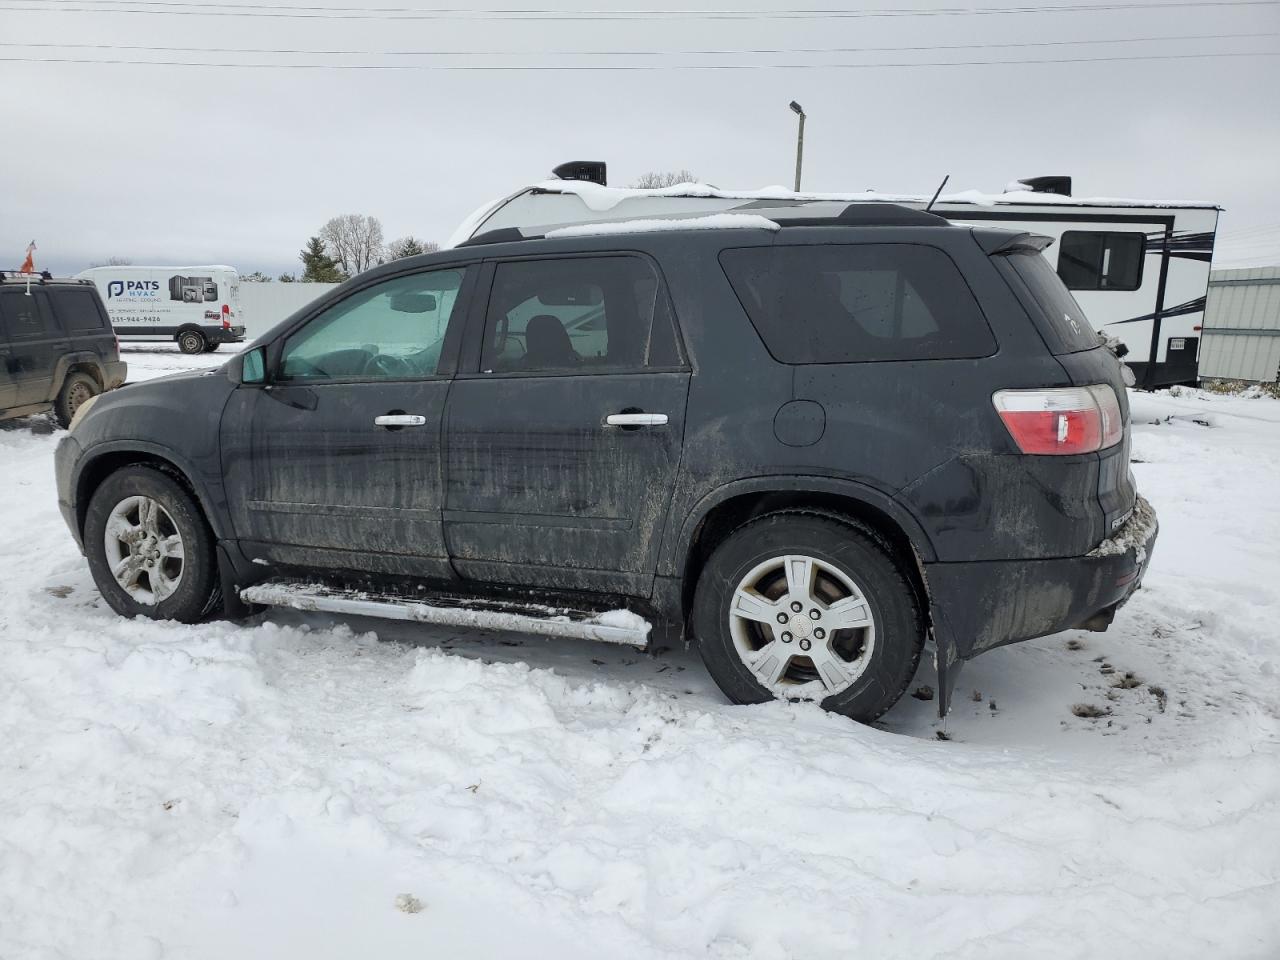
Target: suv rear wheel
x=150 y=550
x=808 y=606
x=212 y=347
x=76 y=389
x=192 y=341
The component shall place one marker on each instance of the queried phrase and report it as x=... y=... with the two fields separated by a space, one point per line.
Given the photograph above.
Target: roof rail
x=869 y=215
x=25 y=277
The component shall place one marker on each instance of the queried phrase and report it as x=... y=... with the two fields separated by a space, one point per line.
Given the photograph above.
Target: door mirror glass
x=253 y=368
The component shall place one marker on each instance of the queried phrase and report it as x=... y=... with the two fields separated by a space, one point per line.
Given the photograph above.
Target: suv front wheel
x=808 y=606
x=150 y=550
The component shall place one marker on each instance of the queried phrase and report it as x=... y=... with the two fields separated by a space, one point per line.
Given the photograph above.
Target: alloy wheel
x=802 y=626
x=144 y=549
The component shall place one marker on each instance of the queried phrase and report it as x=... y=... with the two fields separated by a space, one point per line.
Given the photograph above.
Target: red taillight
x=226 y=316
x=1061 y=420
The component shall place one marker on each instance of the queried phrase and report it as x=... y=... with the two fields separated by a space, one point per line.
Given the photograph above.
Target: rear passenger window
x=846 y=303
x=1101 y=261
x=578 y=315
x=20 y=315
x=78 y=310
x=1068 y=329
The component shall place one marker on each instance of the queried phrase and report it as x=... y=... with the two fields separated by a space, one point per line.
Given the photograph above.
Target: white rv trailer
x=198 y=307
x=1139 y=269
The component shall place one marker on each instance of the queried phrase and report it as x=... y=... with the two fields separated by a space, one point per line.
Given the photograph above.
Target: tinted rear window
x=78 y=310
x=846 y=303
x=1058 y=308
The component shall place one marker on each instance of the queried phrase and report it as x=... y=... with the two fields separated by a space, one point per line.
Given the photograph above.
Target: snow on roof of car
x=714 y=221
x=601 y=199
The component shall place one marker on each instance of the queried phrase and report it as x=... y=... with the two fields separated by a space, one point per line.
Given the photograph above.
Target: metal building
x=1241 y=335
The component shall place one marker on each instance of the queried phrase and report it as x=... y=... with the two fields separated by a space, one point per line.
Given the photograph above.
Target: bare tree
x=410 y=246
x=354 y=241
x=666 y=178
x=112 y=262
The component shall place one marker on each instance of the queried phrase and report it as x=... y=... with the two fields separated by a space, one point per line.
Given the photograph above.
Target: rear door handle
x=636 y=419
x=399 y=420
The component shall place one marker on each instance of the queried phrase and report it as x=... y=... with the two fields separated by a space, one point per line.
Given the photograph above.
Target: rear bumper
x=988 y=604
x=114 y=373
x=224 y=334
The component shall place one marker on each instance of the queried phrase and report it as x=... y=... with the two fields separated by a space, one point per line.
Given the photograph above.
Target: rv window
x=845 y=303
x=78 y=310
x=1101 y=261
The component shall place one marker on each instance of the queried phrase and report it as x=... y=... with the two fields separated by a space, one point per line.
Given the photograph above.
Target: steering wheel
x=388 y=366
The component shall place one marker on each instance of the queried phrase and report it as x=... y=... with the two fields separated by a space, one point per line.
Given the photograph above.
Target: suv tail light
x=1061 y=420
x=226 y=316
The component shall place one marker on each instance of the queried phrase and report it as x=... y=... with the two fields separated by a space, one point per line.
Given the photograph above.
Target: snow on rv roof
x=601 y=199
x=714 y=221
x=208 y=267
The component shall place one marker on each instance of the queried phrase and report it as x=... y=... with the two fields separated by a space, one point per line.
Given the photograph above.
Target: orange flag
x=29 y=264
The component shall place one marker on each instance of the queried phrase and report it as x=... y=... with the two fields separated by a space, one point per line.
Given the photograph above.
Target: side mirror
x=249 y=367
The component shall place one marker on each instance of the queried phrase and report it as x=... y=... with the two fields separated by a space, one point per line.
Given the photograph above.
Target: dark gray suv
x=807 y=445
x=57 y=348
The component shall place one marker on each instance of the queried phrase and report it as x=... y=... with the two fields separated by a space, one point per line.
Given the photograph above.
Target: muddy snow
x=303 y=785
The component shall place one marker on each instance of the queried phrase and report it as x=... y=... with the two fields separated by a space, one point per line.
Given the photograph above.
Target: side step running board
x=616 y=626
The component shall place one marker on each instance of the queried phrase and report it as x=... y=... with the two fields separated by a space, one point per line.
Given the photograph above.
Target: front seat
x=547 y=345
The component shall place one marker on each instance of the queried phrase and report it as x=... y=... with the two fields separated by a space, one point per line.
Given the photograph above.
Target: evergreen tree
x=409 y=247
x=318 y=266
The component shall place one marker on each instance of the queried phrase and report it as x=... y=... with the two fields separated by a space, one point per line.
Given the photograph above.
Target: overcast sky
x=175 y=164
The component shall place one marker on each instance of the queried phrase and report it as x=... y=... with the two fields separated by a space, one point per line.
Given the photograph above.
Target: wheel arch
x=725 y=509
x=190 y=327
x=106 y=459
x=80 y=361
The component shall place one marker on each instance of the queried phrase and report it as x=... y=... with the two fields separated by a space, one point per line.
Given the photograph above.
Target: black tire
x=192 y=341
x=76 y=389
x=197 y=592
x=212 y=347
x=857 y=552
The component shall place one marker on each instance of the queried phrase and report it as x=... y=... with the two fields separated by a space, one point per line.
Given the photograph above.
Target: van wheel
x=149 y=548
x=804 y=605
x=212 y=347
x=192 y=341
x=76 y=389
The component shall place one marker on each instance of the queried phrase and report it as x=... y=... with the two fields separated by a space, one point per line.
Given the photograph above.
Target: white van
x=198 y=307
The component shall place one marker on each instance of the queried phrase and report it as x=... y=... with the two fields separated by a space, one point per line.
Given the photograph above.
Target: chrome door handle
x=399 y=420
x=636 y=419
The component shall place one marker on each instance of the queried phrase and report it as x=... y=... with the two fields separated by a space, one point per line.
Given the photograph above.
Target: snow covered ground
x=304 y=786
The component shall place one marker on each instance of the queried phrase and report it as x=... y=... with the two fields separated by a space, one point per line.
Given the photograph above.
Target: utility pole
x=799 y=112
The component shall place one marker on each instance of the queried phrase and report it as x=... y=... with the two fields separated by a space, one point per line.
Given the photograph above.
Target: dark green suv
x=57 y=348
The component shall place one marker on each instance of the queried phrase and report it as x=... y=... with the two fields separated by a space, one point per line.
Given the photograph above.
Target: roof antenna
x=936 y=192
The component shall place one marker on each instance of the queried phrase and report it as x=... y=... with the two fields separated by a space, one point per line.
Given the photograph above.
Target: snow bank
x=715 y=221
x=290 y=786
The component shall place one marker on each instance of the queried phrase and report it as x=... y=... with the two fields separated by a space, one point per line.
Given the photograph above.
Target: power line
x=631 y=53
x=285 y=11
x=624 y=67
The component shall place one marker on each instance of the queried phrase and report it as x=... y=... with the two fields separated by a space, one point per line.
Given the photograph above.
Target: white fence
x=1241 y=335
x=263 y=305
